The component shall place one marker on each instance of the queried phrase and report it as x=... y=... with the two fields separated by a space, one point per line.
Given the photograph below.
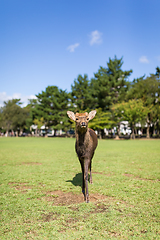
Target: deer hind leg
x=90 y=166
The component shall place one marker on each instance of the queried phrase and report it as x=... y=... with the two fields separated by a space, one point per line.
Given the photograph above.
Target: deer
x=86 y=143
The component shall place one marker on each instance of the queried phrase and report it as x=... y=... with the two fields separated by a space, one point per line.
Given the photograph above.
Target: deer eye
x=76 y=119
x=87 y=119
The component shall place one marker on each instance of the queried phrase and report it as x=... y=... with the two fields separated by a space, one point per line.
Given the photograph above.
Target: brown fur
x=86 y=143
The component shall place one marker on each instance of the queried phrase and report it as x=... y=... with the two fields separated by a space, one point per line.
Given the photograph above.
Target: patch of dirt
x=31 y=163
x=23 y=187
x=128 y=175
x=74 y=208
x=69 y=223
x=49 y=217
x=114 y=234
x=30 y=233
x=138 y=177
x=100 y=208
x=60 y=198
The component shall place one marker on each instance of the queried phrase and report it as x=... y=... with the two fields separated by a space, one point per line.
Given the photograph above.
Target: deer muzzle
x=83 y=125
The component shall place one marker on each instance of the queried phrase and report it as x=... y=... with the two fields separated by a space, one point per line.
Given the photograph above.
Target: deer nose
x=83 y=124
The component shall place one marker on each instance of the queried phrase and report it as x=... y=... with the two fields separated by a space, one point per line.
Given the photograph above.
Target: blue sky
x=50 y=42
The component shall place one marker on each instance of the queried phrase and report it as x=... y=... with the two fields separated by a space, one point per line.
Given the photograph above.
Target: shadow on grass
x=77 y=180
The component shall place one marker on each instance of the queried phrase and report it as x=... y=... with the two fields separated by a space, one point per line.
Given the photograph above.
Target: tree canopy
x=109 y=92
x=13 y=117
x=148 y=89
x=81 y=93
x=110 y=84
x=132 y=111
x=52 y=105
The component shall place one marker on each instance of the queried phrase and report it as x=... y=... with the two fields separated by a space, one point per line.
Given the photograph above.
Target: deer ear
x=71 y=115
x=92 y=114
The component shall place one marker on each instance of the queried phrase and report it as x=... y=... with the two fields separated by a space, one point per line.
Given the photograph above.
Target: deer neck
x=82 y=137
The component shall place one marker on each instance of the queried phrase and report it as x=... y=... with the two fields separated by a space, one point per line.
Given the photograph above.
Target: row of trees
x=13 y=117
x=110 y=92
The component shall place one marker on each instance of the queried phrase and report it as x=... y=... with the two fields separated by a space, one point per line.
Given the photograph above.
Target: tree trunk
x=142 y=131
x=36 y=132
x=118 y=131
x=100 y=135
x=154 y=131
x=21 y=132
x=158 y=129
x=148 y=126
x=55 y=132
x=133 y=135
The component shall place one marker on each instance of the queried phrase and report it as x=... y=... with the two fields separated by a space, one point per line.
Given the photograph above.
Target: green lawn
x=41 y=190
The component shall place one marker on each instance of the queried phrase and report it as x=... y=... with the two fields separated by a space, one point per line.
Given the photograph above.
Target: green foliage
x=52 y=106
x=39 y=122
x=41 y=195
x=110 y=84
x=82 y=94
x=157 y=72
x=31 y=106
x=1 y=124
x=101 y=120
x=13 y=117
x=109 y=87
x=132 y=111
x=148 y=90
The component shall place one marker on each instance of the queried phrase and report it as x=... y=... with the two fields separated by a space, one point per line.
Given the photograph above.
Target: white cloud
x=24 y=99
x=71 y=48
x=143 y=59
x=95 y=37
x=3 y=97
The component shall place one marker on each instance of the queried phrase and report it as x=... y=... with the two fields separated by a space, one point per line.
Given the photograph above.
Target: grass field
x=41 y=190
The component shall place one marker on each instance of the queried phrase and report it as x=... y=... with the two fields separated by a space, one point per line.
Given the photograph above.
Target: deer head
x=81 y=119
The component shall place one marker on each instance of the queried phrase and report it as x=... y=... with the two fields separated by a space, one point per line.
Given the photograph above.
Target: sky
x=49 y=42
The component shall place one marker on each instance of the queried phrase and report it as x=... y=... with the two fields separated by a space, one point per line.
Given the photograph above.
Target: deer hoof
x=87 y=198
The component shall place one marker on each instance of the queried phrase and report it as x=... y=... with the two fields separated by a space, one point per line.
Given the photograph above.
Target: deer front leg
x=83 y=181
x=86 y=180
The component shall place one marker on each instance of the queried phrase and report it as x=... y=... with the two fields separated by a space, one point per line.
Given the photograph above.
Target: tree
x=52 y=105
x=101 y=120
x=157 y=106
x=117 y=117
x=13 y=116
x=110 y=84
x=33 y=103
x=148 y=90
x=1 y=122
x=156 y=118
x=82 y=94
x=157 y=72
x=39 y=123
x=132 y=111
